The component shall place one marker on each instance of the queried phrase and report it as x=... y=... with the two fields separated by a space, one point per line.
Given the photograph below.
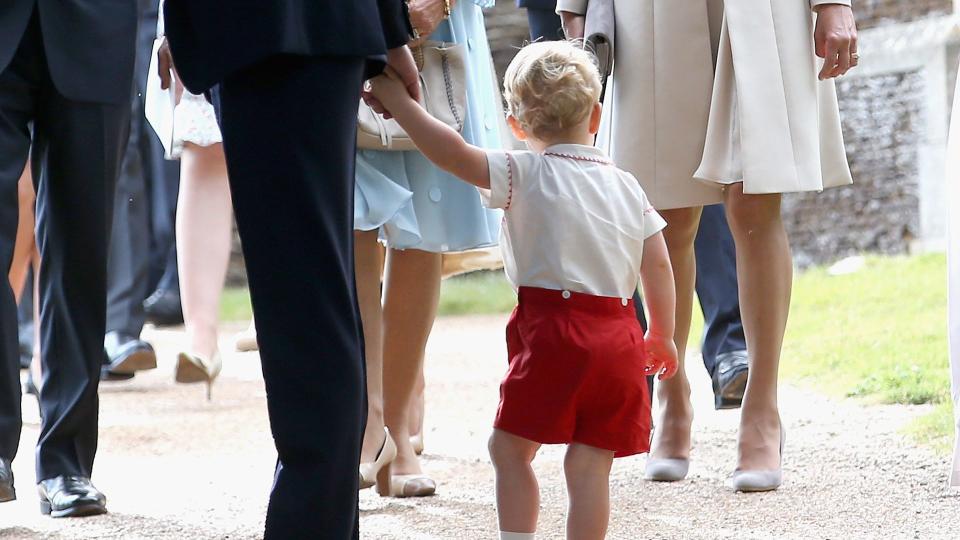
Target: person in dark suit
x=724 y=347
x=144 y=174
x=286 y=84
x=543 y=19
x=66 y=68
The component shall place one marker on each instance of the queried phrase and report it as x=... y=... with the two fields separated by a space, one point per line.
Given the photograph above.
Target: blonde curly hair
x=550 y=87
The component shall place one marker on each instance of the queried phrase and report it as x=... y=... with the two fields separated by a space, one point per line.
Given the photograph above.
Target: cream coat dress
x=711 y=92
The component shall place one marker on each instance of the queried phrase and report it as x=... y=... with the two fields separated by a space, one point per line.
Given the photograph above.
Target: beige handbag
x=443 y=87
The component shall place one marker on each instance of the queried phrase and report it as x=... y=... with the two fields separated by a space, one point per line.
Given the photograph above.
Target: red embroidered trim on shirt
x=580 y=158
x=509 y=182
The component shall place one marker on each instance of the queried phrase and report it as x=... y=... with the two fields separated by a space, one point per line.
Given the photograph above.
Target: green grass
x=934 y=429
x=477 y=293
x=878 y=334
x=235 y=305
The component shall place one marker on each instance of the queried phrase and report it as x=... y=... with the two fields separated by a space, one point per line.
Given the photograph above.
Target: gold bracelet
x=446 y=9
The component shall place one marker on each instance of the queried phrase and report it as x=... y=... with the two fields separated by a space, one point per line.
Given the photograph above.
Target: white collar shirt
x=573 y=221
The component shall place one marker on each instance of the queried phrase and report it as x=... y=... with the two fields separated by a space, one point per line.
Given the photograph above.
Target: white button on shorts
x=565 y=294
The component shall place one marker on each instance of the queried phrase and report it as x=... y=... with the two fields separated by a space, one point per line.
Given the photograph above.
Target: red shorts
x=576 y=373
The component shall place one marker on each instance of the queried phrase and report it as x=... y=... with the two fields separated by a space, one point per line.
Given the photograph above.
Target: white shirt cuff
x=502 y=173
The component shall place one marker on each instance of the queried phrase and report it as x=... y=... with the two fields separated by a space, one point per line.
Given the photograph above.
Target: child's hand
x=661 y=355
x=390 y=91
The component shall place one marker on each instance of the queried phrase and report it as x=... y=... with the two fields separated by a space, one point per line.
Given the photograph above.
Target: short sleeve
x=502 y=177
x=653 y=222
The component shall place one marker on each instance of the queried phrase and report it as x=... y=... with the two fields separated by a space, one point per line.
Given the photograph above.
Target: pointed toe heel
x=760 y=481
x=378 y=472
x=666 y=469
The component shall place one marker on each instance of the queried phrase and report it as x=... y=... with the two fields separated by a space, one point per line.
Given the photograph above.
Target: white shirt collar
x=578 y=151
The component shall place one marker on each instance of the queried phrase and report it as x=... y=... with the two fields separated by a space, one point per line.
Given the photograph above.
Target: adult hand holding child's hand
x=661 y=355
x=402 y=68
x=387 y=90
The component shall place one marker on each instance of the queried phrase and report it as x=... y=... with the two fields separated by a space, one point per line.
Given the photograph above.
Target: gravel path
x=175 y=466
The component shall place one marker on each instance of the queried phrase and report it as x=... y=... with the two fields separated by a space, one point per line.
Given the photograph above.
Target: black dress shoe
x=128 y=354
x=70 y=496
x=730 y=379
x=108 y=376
x=7 y=493
x=163 y=308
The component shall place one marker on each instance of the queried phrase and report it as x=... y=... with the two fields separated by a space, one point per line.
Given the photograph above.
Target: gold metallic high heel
x=370 y=472
x=192 y=368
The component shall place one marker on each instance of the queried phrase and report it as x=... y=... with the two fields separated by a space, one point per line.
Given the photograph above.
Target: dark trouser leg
x=25 y=322
x=16 y=109
x=717 y=287
x=289 y=136
x=129 y=256
x=544 y=24
x=78 y=147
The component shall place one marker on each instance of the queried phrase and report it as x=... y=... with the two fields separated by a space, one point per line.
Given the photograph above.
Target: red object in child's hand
x=661 y=355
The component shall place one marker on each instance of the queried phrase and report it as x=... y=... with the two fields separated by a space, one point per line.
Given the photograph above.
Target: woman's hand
x=661 y=355
x=168 y=73
x=573 y=24
x=426 y=16
x=836 y=40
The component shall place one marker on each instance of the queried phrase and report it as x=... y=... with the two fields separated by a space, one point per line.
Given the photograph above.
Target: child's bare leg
x=518 y=494
x=588 y=488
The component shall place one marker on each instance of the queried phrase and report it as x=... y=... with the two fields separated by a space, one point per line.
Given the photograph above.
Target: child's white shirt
x=573 y=221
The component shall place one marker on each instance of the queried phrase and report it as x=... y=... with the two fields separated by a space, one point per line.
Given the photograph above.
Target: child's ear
x=516 y=128
x=595 y=118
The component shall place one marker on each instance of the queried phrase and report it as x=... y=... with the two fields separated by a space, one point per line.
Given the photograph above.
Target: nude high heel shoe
x=759 y=481
x=666 y=469
x=405 y=485
x=192 y=368
x=370 y=472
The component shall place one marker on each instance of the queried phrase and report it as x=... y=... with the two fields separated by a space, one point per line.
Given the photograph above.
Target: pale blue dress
x=411 y=202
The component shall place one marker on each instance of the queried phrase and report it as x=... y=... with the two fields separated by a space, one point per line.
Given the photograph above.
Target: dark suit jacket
x=90 y=44
x=210 y=42
x=538 y=4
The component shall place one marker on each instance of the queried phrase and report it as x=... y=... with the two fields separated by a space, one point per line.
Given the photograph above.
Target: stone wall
x=883 y=125
x=871 y=13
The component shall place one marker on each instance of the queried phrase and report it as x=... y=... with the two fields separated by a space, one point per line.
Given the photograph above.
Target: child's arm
x=437 y=141
x=656 y=275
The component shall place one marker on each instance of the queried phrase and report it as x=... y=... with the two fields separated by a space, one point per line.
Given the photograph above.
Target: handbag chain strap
x=448 y=82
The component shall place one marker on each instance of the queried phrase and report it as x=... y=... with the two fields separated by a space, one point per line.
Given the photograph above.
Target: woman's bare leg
x=204 y=222
x=25 y=247
x=418 y=405
x=765 y=274
x=369 y=263
x=671 y=436
x=411 y=296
